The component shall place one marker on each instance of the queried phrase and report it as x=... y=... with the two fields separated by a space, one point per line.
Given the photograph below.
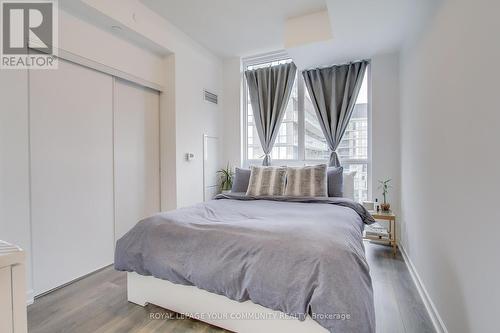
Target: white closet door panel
x=14 y=162
x=71 y=119
x=137 y=154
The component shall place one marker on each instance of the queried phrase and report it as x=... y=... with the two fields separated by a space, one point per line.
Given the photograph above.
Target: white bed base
x=212 y=308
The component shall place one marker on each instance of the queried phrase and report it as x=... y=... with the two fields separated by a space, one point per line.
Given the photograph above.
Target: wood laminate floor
x=98 y=303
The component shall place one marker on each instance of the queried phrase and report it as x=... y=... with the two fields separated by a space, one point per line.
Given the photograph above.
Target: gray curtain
x=270 y=89
x=333 y=92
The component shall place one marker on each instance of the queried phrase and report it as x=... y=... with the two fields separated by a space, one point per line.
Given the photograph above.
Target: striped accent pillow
x=266 y=181
x=309 y=181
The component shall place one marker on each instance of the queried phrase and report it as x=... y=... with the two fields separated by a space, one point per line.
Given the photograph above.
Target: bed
x=247 y=264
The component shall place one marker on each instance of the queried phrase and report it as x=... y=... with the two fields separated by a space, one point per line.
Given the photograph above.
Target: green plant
x=226 y=178
x=384 y=186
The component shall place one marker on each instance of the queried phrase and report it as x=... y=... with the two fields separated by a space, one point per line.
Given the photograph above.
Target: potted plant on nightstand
x=384 y=185
x=226 y=179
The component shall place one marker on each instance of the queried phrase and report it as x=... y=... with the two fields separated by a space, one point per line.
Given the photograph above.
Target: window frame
x=280 y=56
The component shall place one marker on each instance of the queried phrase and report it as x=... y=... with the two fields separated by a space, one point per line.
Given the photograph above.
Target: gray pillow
x=266 y=181
x=241 y=179
x=335 y=181
x=309 y=181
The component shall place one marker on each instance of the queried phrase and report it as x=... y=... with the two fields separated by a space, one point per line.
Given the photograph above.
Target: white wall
x=168 y=147
x=232 y=111
x=195 y=117
x=80 y=37
x=385 y=136
x=450 y=131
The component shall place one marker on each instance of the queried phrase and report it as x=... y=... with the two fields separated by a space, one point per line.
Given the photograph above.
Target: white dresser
x=12 y=289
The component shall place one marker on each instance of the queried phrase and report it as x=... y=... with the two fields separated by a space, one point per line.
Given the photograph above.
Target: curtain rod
x=334 y=65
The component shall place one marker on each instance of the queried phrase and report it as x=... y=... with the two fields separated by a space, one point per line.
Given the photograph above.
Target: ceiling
x=234 y=27
x=360 y=28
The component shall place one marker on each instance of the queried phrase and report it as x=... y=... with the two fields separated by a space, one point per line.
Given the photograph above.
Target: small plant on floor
x=384 y=186
x=226 y=178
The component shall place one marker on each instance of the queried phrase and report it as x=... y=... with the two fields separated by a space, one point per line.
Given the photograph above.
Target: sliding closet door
x=71 y=128
x=137 y=154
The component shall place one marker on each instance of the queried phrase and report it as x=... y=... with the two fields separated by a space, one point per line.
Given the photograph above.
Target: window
x=301 y=140
x=286 y=145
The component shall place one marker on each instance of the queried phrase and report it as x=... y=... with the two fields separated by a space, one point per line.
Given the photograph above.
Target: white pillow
x=349 y=184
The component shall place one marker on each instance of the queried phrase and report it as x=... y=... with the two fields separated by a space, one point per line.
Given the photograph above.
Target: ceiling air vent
x=210 y=97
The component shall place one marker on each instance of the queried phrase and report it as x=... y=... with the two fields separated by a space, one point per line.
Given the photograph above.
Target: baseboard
x=438 y=323
x=30 y=297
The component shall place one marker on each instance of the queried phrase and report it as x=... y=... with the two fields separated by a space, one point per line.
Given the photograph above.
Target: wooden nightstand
x=391 y=218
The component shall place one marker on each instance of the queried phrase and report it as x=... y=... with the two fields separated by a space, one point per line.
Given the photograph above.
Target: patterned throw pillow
x=309 y=181
x=266 y=181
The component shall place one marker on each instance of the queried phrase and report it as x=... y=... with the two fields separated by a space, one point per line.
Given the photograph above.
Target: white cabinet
x=12 y=290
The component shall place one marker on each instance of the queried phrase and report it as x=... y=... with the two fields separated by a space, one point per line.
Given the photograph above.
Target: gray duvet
x=301 y=256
